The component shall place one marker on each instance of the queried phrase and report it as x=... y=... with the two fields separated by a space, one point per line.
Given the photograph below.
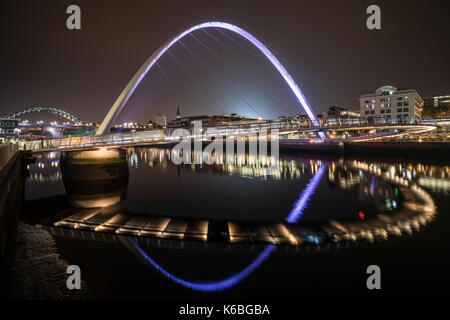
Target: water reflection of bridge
x=138 y=232
x=415 y=209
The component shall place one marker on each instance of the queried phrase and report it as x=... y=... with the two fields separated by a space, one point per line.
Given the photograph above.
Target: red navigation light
x=361 y=215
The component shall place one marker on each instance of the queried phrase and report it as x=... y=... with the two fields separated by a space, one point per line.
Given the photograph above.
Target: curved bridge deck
x=155 y=137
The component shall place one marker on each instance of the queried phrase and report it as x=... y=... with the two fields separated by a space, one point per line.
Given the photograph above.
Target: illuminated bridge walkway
x=158 y=137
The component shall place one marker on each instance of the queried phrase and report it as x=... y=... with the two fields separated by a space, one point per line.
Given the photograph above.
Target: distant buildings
x=9 y=129
x=227 y=118
x=185 y=122
x=153 y=126
x=437 y=106
x=161 y=120
x=392 y=104
x=178 y=123
x=437 y=102
x=207 y=121
x=339 y=112
x=131 y=126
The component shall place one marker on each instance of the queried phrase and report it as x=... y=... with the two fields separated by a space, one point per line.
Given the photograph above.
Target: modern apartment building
x=391 y=104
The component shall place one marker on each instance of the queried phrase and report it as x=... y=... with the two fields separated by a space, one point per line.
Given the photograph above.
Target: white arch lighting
x=134 y=82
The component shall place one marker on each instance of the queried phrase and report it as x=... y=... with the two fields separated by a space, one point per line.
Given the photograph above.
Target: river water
x=341 y=215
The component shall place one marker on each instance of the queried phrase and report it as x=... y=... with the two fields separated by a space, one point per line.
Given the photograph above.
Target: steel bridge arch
x=53 y=110
x=134 y=82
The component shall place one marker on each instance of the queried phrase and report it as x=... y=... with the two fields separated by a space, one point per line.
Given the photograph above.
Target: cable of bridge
x=122 y=99
x=197 y=59
x=247 y=78
x=195 y=81
x=227 y=82
x=166 y=77
x=287 y=61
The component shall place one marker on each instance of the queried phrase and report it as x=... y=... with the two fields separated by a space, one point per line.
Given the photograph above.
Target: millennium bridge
x=417 y=207
x=264 y=129
x=102 y=139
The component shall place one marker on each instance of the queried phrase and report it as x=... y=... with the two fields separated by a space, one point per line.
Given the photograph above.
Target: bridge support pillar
x=95 y=178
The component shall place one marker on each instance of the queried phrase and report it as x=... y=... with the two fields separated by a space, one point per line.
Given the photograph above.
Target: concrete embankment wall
x=423 y=150
x=312 y=148
x=419 y=150
x=12 y=181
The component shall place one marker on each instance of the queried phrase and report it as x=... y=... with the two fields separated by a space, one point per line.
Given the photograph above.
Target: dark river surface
x=349 y=214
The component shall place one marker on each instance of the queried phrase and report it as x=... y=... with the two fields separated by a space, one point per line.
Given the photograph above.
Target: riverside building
x=391 y=105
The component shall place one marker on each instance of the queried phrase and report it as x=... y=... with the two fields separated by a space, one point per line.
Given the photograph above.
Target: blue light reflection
x=232 y=280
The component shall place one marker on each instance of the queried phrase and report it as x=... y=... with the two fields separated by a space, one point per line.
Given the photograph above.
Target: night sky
x=325 y=45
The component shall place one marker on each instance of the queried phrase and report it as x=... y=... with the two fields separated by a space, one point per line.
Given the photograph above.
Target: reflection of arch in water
x=422 y=209
x=206 y=286
x=137 y=78
x=232 y=280
x=303 y=200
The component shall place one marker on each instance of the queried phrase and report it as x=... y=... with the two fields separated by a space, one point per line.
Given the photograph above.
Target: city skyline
x=88 y=87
